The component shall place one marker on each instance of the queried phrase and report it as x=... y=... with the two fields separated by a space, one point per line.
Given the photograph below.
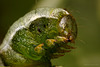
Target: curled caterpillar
x=38 y=37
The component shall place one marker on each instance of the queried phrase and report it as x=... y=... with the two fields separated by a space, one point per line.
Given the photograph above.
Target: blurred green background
x=87 y=15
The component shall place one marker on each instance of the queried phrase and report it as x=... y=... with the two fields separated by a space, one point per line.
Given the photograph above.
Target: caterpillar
x=38 y=37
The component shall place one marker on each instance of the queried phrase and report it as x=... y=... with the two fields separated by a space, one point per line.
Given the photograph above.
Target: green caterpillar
x=38 y=37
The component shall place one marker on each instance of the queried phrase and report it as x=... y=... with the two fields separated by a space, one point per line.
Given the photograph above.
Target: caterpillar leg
x=38 y=49
x=50 y=42
x=61 y=39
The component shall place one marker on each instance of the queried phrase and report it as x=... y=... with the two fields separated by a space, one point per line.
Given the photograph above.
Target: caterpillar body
x=38 y=37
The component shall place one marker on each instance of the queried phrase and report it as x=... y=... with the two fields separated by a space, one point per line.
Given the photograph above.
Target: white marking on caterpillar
x=62 y=23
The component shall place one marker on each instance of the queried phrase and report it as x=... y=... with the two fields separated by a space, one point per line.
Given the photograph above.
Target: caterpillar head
x=68 y=28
